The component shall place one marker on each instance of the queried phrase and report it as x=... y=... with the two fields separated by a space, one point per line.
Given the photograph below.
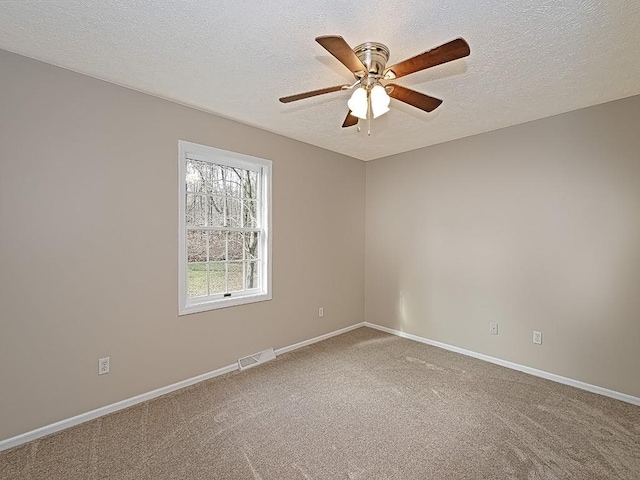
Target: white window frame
x=194 y=151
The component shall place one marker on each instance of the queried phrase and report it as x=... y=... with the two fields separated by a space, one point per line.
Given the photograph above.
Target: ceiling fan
x=367 y=62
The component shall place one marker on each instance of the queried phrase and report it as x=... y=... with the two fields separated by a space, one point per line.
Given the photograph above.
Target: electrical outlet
x=103 y=366
x=493 y=328
x=321 y=312
x=537 y=337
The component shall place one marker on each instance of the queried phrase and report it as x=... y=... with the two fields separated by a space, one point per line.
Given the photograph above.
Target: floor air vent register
x=256 y=359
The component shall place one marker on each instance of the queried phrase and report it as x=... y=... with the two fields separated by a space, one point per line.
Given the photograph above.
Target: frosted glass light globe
x=358 y=103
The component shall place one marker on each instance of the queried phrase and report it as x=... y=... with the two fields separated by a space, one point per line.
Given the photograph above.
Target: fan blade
x=339 y=48
x=313 y=93
x=453 y=50
x=413 y=98
x=350 y=120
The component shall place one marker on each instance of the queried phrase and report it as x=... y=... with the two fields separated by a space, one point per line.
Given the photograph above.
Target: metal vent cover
x=256 y=359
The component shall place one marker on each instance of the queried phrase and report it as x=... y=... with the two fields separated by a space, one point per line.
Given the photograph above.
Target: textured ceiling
x=235 y=58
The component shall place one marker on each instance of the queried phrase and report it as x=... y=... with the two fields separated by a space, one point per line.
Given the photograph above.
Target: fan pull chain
x=369 y=112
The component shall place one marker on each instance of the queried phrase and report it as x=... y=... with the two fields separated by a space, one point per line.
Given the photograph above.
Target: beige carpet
x=364 y=405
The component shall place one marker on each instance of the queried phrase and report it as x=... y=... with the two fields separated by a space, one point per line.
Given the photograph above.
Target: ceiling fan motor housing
x=374 y=56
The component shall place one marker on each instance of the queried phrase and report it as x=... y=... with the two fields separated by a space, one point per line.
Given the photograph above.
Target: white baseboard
x=114 y=407
x=514 y=366
x=282 y=350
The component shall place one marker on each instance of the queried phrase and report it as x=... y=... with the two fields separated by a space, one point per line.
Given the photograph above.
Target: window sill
x=222 y=303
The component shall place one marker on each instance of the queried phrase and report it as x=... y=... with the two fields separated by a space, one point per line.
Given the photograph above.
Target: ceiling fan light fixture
x=368 y=64
x=358 y=103
x=379 y=101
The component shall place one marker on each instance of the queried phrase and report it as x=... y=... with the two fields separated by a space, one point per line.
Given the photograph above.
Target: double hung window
x=225 y=243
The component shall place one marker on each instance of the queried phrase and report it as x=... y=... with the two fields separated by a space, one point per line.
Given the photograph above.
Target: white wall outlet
x=321 y=312
x=103 y=366
x=537 y=337
x=493 y=328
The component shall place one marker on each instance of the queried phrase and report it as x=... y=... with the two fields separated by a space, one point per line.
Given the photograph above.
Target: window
x=225 y=228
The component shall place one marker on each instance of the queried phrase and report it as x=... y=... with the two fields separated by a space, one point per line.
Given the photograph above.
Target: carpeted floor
x=364 y=405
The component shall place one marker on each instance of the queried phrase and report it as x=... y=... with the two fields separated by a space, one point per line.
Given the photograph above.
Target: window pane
x=251 y=185
x=236 y=242
x=215 y=182
x=217 y=246
x=250 y=214
x=196 y=210
x=195 y=177
x=196 y=279
x=216 y=211
x=235 y=276
x=251 y=245
x=216 y=278
x=196 y=246
x=251 y=275
x=233 y=212
x=233 y=181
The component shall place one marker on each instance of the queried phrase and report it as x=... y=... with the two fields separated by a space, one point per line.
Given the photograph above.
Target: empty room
x=320 y=240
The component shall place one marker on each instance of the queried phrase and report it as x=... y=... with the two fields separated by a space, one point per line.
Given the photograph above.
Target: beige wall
x=88 y=250
x=536 y=226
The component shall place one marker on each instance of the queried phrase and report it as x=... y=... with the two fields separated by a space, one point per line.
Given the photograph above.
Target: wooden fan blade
x=413 y=98
x=339 y=48
x=350 y=120
x=313 y=93
x=453 y=50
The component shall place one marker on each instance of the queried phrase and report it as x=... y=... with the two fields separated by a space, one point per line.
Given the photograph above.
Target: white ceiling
x=235 y=58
